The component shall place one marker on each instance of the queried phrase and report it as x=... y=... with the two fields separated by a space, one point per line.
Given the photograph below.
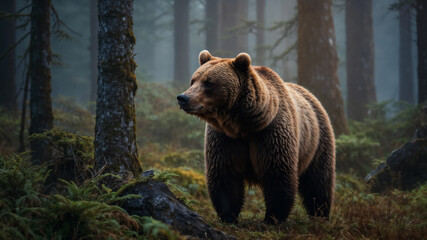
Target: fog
x=71 y=72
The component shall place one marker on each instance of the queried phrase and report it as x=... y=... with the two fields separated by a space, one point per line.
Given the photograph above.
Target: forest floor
x=87 y=211
x=356 y=213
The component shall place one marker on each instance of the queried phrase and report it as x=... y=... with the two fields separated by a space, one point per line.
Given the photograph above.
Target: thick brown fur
x=261 y=130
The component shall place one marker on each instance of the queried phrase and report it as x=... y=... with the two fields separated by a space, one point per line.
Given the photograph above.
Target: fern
x=80 y=212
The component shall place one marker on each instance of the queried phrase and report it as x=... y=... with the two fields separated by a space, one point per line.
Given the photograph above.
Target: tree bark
x=93 y=48
x=40 y=59
x=406 y=82
x=181 y=42
x=260 y=16
x=212 y=25
x=360 y=58
x=317 y=58
x=116 y=150
x=421 y=8
x=7 y=63
x=232 y=38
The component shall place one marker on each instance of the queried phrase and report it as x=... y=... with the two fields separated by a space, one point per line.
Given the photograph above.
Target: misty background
x=71 y=74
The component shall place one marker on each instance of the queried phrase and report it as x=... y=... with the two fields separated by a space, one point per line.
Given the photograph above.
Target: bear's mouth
x=191 y=110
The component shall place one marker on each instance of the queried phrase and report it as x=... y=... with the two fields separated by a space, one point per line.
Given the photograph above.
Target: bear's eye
x=207 y=84
x=192 y=82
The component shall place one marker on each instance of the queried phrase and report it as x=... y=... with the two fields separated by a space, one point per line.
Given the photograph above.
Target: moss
x=119 y=147
x=84 y=211
x=386 y=180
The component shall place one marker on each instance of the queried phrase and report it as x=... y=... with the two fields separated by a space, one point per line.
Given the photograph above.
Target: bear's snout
x=182 y=99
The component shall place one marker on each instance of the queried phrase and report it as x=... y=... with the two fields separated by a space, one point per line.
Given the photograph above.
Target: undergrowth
x=88 y=211
x=73 y=154
x=172 y=143
x=356 y=214
x=370 y=142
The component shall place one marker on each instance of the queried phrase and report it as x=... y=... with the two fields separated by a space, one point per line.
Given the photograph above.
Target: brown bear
x=261 y=130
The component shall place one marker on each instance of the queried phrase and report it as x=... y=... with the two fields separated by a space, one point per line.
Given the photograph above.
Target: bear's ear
x=242 y=61
x=204 y=56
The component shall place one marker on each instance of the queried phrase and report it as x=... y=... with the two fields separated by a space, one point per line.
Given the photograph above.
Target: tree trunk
x=212 y=25
x=360 y=58
x=146 y=15
x=233 y=39
x=317 y=58
x=93 y=48
x=40 y=59
x=406 y=82
x=260 y=16
x=421 y=8
x=115 y=142
x=7 y=63
x=181 y=42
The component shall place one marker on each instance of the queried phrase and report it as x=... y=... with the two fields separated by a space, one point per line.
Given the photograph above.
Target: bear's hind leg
x=316 y=184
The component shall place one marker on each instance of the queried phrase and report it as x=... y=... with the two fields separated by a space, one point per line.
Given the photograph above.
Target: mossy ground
x=171 y=140
x=356 y=214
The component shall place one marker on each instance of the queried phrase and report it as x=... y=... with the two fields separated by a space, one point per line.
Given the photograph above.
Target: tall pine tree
x=317 y=58
x=421 y=9
x=233 y=39
x=40 y=60
x=7 y=62
x=359 y=58
x=181 y=42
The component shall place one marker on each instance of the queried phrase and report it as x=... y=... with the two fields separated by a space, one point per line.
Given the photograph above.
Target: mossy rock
x=158 y=202
x=405 y=168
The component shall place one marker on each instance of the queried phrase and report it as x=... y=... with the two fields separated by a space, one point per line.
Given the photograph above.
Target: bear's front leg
x=225 y=184
x=227 y=196
x=276 y=163
x=279 y=193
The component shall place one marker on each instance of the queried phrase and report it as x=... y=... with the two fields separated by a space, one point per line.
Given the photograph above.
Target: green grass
x=356 y=213
x=173 y=141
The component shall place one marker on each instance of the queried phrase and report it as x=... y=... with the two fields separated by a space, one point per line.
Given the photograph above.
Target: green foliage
x=9 y=130
x=356 y=214
x=355 y=154
x=72 y=117
x=20 y=184
x=160 y=120
x=192 y=158
x=390 y=125
x=82 y=212
x=73 y=154
x=87 y=212
x=389 y=131
x=190 y=181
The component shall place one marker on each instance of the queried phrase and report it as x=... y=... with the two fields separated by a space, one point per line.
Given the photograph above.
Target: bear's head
x=220 y=92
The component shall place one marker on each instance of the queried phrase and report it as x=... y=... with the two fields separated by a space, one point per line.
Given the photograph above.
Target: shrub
x=160 y=120
x=73 y=154
x=81 y=212
x=9 y=130
x=390 y=125
x=355 y=154
x=192 y=181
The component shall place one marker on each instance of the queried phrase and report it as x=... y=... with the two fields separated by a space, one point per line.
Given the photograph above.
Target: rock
x=160 y=203
x=147 y=174
x=405 y=168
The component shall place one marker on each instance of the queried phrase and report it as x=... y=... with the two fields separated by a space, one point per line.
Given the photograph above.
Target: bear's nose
x=182 y=99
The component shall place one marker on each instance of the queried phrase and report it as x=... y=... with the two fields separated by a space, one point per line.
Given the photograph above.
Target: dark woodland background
x=88 y=102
